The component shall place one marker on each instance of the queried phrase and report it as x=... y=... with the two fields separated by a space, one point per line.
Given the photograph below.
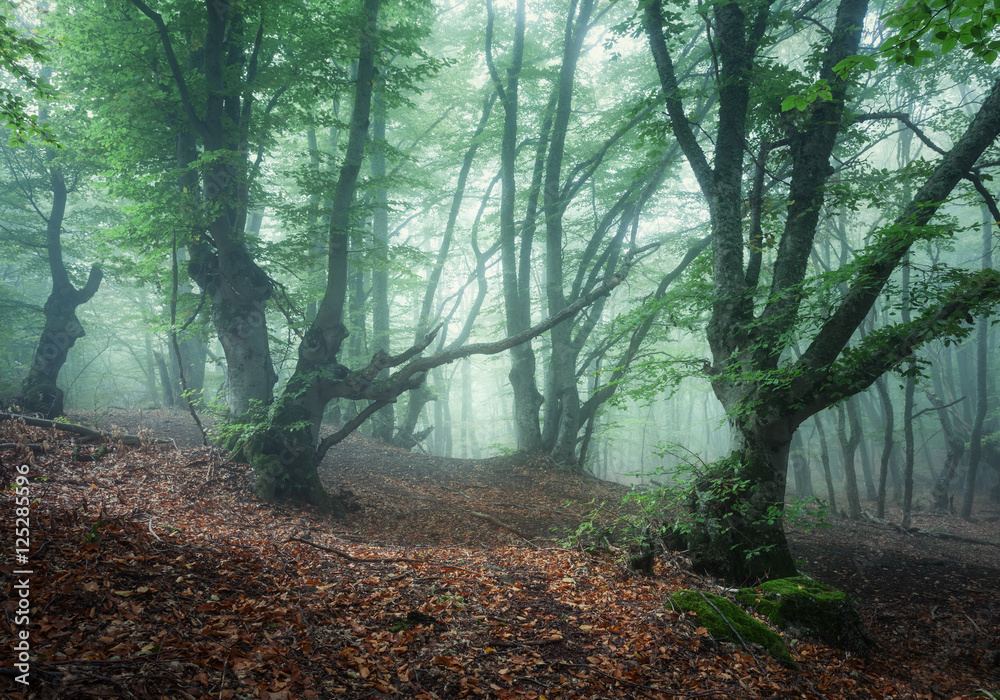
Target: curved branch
x=905 y=119
x=653 y=24
x=175 y=67
x=880 y=355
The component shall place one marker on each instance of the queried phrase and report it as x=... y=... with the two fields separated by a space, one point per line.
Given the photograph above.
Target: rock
x=808 y=608
x=732 y=625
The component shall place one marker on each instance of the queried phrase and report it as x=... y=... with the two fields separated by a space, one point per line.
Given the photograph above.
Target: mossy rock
x=809 y=608
x=750 y=630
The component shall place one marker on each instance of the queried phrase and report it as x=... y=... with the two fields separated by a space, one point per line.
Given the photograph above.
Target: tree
x=287 y=451
x=36 y=177
x=218 y=98
x=573 y=161
x=766 y=394
x=41 y=392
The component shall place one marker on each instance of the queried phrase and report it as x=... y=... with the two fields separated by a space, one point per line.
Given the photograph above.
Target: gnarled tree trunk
x=40 y=392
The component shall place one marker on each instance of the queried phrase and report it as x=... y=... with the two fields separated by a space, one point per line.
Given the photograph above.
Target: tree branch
x=653 y=24
x=872 y=277
x=175 y=67
x=905 y=118
x=358 y=385
x=878 y=354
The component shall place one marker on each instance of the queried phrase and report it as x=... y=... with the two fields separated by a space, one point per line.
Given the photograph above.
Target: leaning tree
x=759 y=291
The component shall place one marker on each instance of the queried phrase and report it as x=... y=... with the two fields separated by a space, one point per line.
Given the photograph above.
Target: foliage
x=947 y=23
x=19 y=54
x=696 y=496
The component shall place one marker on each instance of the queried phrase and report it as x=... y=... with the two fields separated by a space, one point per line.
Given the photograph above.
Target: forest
x=690 y=282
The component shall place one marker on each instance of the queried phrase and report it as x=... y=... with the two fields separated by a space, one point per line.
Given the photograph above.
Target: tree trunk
x=940 y=493
x=738 y=531
x=193 y=357
x=284 y=455
x=40 y=392
x=824 y=452
x=801 y=468
x=385 y=419
x=908 y=402
x=888 y=444
x=982 y=394
x=849 y=445
x=166 y=382
x=908 y=450
x=866 y=469
x=517 y=310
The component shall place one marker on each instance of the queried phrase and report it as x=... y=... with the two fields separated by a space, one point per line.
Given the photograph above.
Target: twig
x=222 y=681
x=528 y=643
x=498 y=523
x=448 y=488
x=350 y=557
x=149 y=525
x=743 y=642
x=936 y=408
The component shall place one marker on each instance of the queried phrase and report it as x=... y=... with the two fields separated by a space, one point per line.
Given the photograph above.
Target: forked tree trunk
x=941 y=491
x=40 y=392
x=284 y=456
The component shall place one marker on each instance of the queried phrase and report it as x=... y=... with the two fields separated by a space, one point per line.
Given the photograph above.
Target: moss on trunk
x=726 y=621
x=737 y=531
x=285 y=467
x=812 y=609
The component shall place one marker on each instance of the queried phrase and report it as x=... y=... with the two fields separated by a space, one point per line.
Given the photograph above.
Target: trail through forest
x=158 y=574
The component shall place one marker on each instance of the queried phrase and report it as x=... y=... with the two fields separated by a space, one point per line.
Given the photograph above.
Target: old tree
x=772 y=367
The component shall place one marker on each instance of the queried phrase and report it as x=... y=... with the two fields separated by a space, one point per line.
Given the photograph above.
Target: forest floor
x=156 y=573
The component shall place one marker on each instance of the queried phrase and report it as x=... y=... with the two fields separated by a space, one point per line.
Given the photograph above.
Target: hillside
x=156 y=573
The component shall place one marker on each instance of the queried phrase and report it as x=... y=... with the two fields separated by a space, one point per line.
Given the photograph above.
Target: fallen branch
x=527 y=643
x=349 y=557
x=945 y=536
x=88 y=434
x=33 y=446
x=500 y=524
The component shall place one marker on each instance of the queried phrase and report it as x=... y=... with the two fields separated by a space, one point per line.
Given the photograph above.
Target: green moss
x=748 y=630
x=809 y=608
